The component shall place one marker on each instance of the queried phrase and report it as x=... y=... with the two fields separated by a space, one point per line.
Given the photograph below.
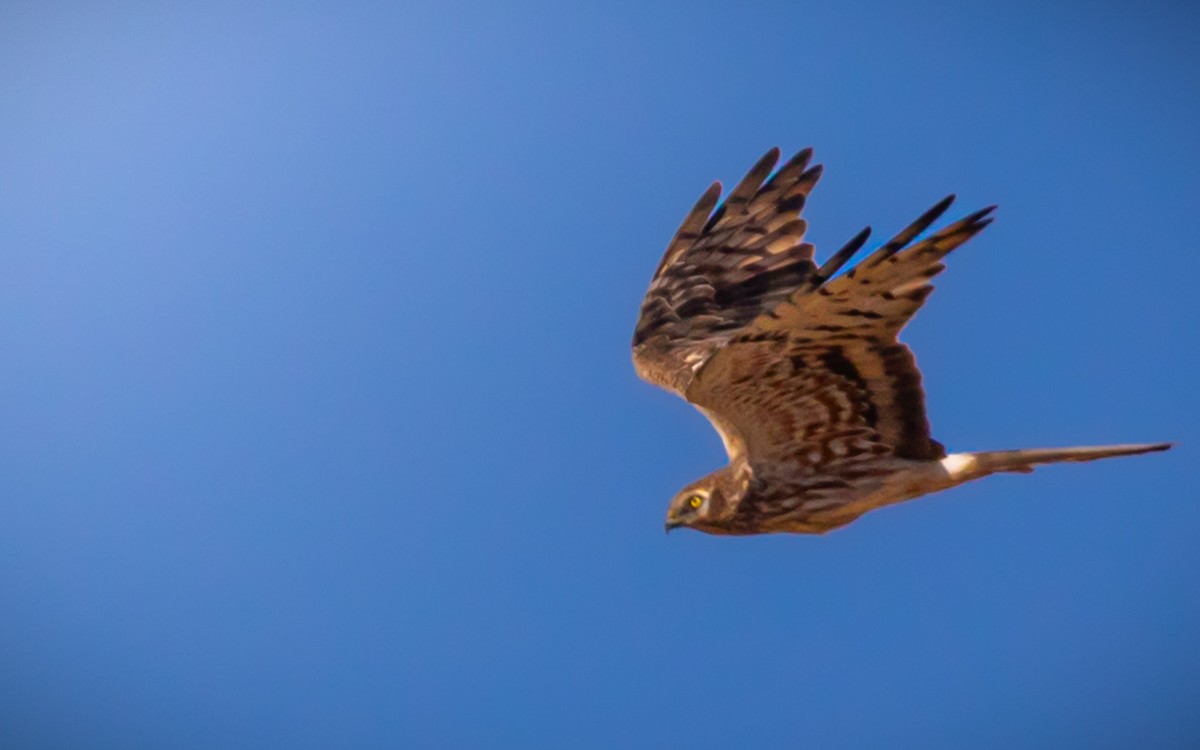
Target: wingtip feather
x=839 y=259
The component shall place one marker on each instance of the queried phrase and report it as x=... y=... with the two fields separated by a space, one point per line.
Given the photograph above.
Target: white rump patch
x=959 y=465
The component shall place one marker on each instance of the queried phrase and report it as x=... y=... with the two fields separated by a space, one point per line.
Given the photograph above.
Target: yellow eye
x=696 y=501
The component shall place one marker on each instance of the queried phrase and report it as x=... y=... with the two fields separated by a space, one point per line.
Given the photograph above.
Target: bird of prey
x=819 y=406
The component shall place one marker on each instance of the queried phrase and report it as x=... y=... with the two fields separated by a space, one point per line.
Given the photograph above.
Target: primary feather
x=819 y=405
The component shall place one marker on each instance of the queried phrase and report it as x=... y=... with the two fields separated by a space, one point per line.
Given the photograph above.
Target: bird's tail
x=990 y=462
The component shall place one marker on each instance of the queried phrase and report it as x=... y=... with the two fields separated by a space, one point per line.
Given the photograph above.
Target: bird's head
x=703 y=504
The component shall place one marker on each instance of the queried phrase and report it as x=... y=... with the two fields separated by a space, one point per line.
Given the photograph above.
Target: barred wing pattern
x=818 y=389
x=800 y=370
x=724 y=269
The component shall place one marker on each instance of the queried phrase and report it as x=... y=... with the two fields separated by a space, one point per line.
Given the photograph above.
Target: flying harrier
x=819 y=406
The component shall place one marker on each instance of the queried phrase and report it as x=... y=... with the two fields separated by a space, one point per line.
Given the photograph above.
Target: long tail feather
x=989 y=462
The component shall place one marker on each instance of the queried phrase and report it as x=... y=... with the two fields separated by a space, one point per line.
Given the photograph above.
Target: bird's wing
x=726 y=268
x=821 y=380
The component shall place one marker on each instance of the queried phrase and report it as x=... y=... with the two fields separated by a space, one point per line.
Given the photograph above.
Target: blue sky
x=319 y=428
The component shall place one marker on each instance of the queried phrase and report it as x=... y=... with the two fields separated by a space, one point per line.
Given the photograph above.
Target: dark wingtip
x=838 y=259
x=972 y=223
x=935 y=211
x=794 y=165
x=857 y=241
x=693 y=225
x=704 y=207
x=763 y=166
x=980 y=214
x=913 y=230
x=803 y=156
x=711 y=195
x=809 y=177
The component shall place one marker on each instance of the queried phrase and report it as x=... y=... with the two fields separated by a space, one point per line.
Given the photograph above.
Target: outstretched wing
x=821 y=380
x=726 y=268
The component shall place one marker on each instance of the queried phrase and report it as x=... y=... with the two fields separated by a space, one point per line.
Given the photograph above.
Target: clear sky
x=318 y=427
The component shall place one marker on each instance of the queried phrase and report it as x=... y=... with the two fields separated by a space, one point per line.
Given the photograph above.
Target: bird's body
x=819 y=406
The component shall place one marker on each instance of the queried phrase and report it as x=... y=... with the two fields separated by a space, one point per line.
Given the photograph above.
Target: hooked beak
x=671 y=525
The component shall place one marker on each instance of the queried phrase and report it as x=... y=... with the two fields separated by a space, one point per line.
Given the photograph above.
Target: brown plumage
x=819 y=405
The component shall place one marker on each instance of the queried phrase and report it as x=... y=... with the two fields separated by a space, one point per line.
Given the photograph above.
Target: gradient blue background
x=318 y=427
